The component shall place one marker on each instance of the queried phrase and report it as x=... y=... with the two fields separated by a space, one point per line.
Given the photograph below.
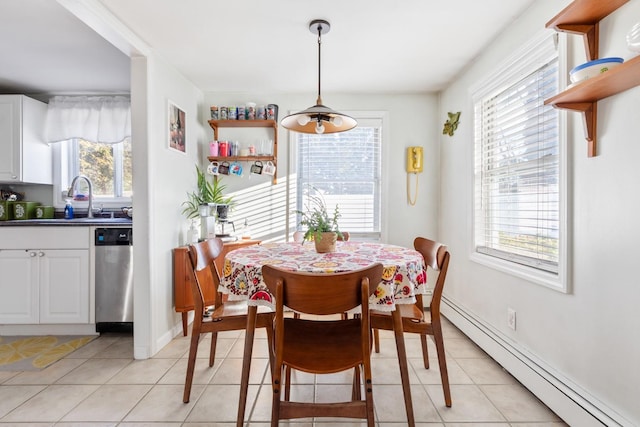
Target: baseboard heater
x=575 y=406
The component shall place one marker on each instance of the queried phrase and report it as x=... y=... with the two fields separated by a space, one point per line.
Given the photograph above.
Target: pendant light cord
x=319 y=100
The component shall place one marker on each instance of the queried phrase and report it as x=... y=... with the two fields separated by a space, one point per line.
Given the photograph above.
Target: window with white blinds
x=517 y=169
x=345 y=168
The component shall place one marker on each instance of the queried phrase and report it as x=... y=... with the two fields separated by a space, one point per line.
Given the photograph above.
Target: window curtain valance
x=103 y=119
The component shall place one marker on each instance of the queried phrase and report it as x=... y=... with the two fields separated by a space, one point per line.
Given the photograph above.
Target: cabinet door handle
x=32 y=254
x=40 y=253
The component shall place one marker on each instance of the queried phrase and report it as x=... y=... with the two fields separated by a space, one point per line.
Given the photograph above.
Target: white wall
x=583 y=344
x=411 y=119
x=162 y=177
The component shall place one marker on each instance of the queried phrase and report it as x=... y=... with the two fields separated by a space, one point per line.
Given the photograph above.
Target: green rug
x=31 y=353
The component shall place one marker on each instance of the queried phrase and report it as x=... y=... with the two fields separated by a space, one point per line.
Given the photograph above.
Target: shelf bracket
x=590 y=34
x=589 y=112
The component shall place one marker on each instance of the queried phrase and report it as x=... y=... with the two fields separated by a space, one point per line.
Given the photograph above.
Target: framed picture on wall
x=177 y=128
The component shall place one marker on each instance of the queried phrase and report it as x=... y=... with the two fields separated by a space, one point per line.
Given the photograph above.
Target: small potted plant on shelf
x=322 y=227
x=207 y=193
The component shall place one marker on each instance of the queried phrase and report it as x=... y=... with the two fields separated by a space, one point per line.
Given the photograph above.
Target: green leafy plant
x=316 y=217
x=207 y=192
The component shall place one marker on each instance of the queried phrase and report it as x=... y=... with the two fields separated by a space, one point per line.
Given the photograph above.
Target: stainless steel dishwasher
x=114 y=279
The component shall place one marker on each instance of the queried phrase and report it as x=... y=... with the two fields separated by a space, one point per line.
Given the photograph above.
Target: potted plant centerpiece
x=206 y=194
x=322 y=227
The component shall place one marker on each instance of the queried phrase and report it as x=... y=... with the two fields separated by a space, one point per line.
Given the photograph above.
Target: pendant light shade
x=319 y=118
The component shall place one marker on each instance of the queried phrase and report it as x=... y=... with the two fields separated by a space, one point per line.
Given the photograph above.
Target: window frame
x=63 y=164
x=293 y=191
x=507 y=73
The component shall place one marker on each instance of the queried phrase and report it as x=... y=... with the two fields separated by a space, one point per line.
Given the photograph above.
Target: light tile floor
x=100 y=385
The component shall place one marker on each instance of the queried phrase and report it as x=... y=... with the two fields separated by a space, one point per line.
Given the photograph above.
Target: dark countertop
x=68 y=222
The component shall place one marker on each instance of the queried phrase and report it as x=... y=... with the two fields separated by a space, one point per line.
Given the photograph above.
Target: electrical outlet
x=511 y=318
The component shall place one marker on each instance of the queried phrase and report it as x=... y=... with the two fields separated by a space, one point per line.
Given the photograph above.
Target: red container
x=223 y=149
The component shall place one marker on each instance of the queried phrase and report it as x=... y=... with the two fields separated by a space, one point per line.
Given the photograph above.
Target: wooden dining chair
x=414 y=320
x=226 y=316
x=345 y=236
x=321 y=346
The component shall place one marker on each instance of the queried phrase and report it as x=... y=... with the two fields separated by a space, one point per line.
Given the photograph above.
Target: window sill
x=557 y=282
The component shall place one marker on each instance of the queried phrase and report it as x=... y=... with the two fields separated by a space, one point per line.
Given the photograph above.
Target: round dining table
x=404 y=276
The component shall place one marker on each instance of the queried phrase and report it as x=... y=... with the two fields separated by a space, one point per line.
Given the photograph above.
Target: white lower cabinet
x=64 y=290
x=49 y=285
x=19 y=287
x=44 y=286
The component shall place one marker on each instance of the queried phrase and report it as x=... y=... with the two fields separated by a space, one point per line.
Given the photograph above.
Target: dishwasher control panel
x=113 y=236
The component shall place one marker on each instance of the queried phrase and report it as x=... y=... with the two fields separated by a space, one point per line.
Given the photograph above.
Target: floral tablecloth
x=404 y=269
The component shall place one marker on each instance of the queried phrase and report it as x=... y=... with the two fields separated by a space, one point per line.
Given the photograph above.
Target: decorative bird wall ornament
x=451 y=124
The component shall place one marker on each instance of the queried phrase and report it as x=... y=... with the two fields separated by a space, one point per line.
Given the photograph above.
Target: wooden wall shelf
x=243 y=124
x=272 y=124
x=616 y=80
x=240 y=158
x=583 y=17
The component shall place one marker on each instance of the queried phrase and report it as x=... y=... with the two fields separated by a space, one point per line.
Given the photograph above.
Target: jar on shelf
x=251 y=110
x=272 y=112
x=213 y=148
x=223 y=149
x=261 y=112
x=234 y=148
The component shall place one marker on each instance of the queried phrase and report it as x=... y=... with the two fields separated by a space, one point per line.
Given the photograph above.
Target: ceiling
x=45 y=49
x=254 y=45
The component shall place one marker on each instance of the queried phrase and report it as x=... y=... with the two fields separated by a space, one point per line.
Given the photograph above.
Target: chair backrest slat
x=322 y=294
x=202 y=256
x=437 y=257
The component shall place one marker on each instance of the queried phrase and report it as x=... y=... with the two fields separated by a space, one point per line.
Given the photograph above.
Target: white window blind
x=517 y=197
x=345 y=168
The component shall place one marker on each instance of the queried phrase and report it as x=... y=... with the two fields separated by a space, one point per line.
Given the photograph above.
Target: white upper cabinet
x=24 y=155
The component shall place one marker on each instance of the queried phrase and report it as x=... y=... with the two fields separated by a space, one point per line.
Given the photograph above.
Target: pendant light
x=319 y=118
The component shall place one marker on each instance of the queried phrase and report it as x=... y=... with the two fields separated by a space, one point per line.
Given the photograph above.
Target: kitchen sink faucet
x=72 y=190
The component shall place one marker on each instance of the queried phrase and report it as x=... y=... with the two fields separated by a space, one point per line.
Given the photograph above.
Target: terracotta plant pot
x=326 y=242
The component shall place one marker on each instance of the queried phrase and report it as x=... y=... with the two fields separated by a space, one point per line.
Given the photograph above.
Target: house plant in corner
x=322 y=228
x=207 y=192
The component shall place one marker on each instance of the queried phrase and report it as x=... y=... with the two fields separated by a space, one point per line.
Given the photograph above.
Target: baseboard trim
x=49 y=329
x=574 y=405
x=145 y=352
